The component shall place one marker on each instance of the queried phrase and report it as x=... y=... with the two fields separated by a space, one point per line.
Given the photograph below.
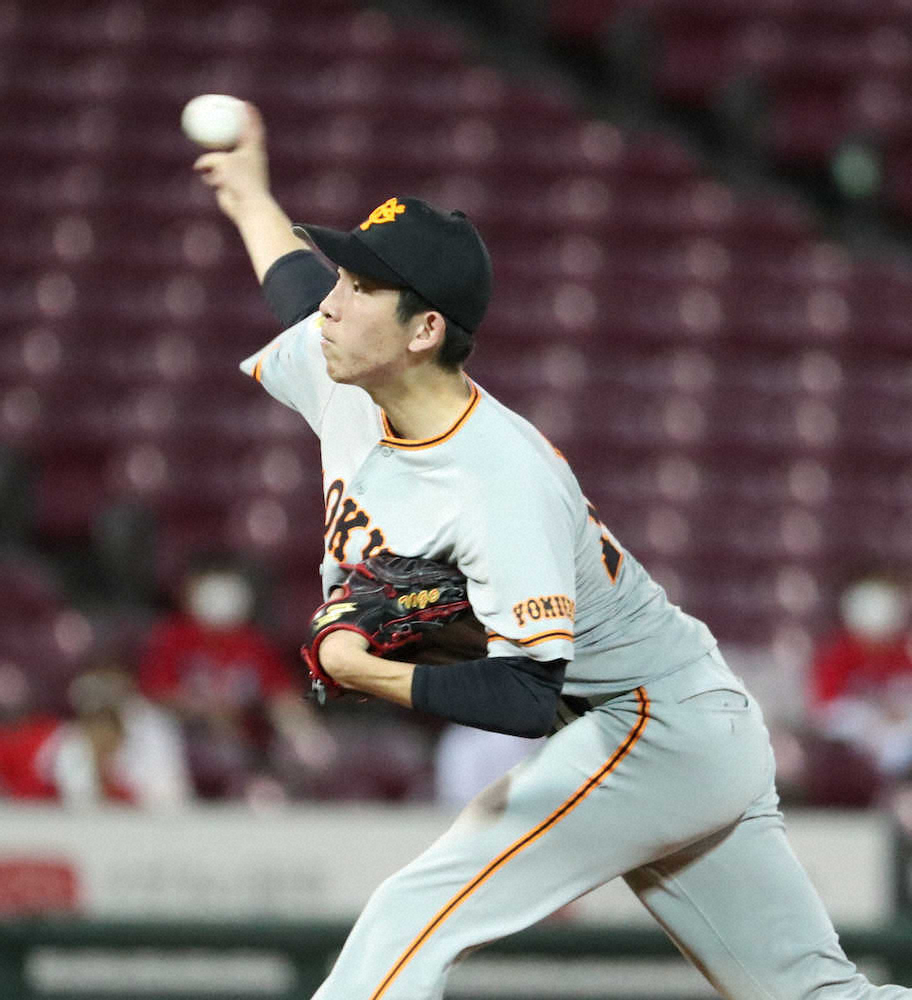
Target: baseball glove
x=397 y=603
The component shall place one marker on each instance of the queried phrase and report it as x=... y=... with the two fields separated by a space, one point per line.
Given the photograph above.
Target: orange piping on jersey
x=415 y=445
x=264 y=354
x=533 y=640
x=562 y=811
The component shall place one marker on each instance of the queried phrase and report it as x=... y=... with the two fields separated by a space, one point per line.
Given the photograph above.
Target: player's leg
x=624 y=784
x=742 y=908
x=452 y=897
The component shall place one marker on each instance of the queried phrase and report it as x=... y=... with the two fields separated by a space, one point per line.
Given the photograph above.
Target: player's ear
x=428 y=332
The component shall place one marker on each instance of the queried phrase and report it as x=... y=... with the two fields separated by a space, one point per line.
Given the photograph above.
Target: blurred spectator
x=24 y=773
x=856 y=745
x=139 y=746
x=240 y=705
x=861 y=677
x=117 y=747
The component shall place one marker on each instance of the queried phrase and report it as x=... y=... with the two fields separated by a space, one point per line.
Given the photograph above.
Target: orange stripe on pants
x=593 y=781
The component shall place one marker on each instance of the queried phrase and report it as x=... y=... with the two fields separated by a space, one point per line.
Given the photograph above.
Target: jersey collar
x=409 y=444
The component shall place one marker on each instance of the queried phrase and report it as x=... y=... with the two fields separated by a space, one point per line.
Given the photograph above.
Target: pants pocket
x=718 y=700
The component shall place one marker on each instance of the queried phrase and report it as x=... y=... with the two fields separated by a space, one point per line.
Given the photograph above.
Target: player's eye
x=356 y=286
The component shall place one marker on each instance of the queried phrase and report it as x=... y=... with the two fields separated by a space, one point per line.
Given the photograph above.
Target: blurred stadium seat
x=815 y=75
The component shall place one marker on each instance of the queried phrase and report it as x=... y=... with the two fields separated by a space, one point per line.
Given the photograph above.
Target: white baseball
x=213 y=120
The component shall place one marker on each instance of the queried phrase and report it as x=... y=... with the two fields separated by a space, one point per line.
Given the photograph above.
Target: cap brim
x=343 y=249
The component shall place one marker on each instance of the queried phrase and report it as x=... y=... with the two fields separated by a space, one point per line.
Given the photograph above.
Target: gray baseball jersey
x=545 y=576
x=668 y=779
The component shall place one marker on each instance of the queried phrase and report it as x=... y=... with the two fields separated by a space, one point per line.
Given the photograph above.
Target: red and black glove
x=393 y=601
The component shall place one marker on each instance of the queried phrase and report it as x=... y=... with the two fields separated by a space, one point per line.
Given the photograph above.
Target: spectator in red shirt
x=116 y=747
x=861 y=677
x=212 y=665
x=26 y=757
x=870 y=649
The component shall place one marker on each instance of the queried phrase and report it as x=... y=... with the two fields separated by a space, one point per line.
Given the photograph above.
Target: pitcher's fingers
x=213 y=177
x=208 y=161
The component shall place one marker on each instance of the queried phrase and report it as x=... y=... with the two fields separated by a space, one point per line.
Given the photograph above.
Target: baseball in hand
x=213 y=120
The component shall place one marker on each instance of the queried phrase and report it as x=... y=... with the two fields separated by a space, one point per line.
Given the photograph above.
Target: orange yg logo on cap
x=386 y=212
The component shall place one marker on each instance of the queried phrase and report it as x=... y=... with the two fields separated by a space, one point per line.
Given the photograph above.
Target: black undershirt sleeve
x=295 y=285
x=509 y=694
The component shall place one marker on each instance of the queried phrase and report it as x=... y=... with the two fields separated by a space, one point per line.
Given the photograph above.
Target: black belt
x=571 y=707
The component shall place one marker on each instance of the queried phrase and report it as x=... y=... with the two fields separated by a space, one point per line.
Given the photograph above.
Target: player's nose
x=330 y=305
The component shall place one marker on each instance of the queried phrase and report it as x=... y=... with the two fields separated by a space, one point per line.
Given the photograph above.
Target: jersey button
x=386 y=451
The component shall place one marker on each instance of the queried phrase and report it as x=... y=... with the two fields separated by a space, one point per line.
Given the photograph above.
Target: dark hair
x=457 y=342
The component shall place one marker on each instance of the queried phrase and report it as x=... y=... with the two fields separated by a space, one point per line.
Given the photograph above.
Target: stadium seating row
x=807 y=77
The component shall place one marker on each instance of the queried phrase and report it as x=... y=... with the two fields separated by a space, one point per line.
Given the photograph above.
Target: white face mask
x=874 y=609
x=220 y=600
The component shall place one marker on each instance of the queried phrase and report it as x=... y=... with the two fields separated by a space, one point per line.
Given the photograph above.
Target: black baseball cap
x=408 y=243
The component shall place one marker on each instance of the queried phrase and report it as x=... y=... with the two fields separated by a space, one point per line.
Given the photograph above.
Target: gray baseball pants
x=670 y=786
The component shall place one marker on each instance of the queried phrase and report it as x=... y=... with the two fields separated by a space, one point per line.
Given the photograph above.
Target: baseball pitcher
x=658 y=769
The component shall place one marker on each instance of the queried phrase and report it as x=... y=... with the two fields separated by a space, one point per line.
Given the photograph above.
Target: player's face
x=363 y=341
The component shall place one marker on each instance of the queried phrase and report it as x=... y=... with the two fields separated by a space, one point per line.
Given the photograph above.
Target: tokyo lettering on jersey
x=491 y=495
